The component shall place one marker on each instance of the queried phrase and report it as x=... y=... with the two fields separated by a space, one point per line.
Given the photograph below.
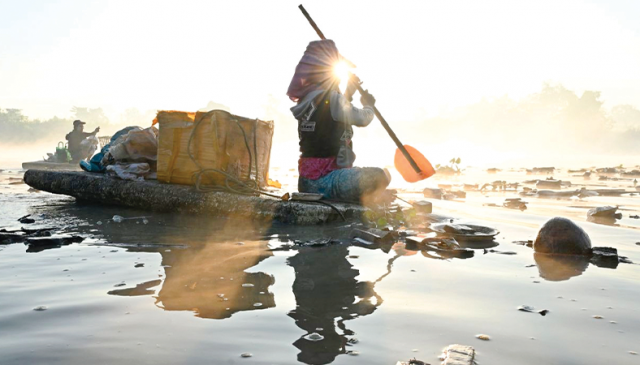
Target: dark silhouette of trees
x=87 y=115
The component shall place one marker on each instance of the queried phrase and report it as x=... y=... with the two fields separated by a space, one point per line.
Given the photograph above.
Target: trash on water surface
x=314 y=337
x=606 y=211
x=119 y=219
x=26 y=219
x=530 y=309
x=458 y=355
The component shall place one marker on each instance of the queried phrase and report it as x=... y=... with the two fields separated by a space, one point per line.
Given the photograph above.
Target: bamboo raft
x=155 y=196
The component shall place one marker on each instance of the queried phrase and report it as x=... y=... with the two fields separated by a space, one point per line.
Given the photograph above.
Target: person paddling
x=325 y=120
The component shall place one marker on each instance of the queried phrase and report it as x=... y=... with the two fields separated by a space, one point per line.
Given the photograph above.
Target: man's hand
x=96 y=130
x=367 y=99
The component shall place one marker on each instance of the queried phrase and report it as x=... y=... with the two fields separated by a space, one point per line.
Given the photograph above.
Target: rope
x=233 y=184
x=329 y=205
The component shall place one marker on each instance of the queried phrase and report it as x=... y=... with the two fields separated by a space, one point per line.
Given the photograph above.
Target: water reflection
x=198 y=274
x=560 y=267
x=327 y=296
x=607 y=221
x=210 y=280
x=564 y=267
x=140 y=289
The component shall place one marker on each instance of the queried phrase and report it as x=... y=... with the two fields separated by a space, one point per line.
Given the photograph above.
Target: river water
x=170 y=289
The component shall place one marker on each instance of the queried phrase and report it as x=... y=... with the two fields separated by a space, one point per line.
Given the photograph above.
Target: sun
x=341 y=70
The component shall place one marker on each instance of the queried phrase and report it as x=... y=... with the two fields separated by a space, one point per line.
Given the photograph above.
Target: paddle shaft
x=375 y=110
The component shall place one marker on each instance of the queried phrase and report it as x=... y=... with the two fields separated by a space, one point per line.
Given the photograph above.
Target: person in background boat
x=325 y=120
x=75 y=139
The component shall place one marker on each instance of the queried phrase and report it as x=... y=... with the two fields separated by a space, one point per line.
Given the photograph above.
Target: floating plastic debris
x=483 y=337
x=457 y=355
x=119 y=219
x=247 y=285
x=526 y=308
x=40 y=308
x=530 y=309
x=246 y=354
x=597 y=316
x=314 y=337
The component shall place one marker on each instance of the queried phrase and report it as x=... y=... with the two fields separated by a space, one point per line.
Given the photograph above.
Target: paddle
x=409 y=162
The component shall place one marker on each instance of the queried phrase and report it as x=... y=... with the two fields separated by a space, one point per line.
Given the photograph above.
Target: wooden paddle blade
x=404 y=167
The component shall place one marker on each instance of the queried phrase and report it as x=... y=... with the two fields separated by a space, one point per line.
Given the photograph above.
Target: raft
x=154 y=196
x=46 y=165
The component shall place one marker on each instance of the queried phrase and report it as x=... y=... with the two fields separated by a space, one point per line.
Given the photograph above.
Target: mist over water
x=555 y=126
x=96 y=274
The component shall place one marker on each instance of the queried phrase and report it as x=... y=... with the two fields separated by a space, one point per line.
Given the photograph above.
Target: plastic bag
x=130 y=171
x=96 y=164
x=89 y=145
x=135 y=146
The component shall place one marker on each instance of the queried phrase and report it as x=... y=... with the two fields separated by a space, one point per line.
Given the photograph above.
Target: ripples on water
x=200 y=290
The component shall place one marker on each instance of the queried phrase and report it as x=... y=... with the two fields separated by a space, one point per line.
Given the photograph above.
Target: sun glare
x=341 y=70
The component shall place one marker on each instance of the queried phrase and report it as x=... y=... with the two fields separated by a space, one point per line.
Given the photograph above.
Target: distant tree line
x=16 y=128
x=554 y=118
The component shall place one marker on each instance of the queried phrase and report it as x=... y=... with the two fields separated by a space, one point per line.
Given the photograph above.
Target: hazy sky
x=416 y=57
